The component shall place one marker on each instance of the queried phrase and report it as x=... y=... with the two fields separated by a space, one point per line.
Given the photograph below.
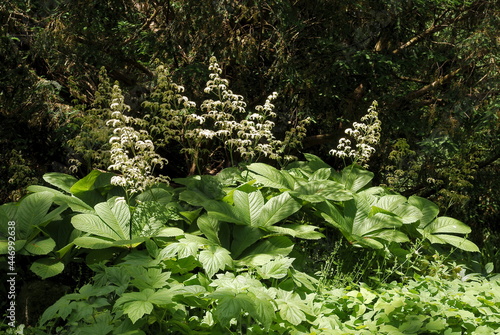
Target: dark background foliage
x=431 y=65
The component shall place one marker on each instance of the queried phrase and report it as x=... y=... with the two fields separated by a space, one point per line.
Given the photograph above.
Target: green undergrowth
x=148 y=293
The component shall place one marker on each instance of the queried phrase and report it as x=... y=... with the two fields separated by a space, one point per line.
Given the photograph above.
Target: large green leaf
x=222 y=211
x=112 y=220
x=320 y=190
x=269 y=176
x=354 y=178
x=31 y=212
x=91 y=242
x=363 y=224
x=248 y=206
x=93 y=187
x=267 y=249
x=209 y=226
x=244 y=237
x=76 y=204
x=215 y=258
x=429 y=209
x=60 y=180
x=277 y=209
x=47 y=267
x=439 y=230
x=306 y=232
x=315 y=163
x=40 y=246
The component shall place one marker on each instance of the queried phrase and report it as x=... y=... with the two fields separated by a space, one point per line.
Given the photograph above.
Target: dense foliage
x=161 y=162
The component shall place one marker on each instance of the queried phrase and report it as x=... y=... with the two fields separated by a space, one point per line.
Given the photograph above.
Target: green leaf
x=276 y=268
x=321 y=174
x=93 y=180
x=222 y=211
x=231 y=307
x=47 y=267
x=209 y=226
x=320 y=190
x=267 y=249
x=269 y=176
x=93 y=224
x=248 y=206
x=60 y=180
x=445 y=224
x=158 y=194
x=76 y=204
x=116 y=214
x=316 y=163
x=40 y=246
x=112 y=220
x=31 y=212
x=263 y=310
x=136 y=309
x=277 y=209
x=438 y=232
x=91 y=242
x=307 y=232
x=291 y=307
x=169 y=232
x=244 y=237
x=355 y=178
x=149 y=218
x=456 y=241
x=215 y=258
x=429 y=209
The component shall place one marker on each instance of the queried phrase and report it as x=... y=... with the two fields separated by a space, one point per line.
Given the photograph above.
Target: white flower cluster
x=221 y=122
x=132 y=152
x=251 y=137
x=366 y=134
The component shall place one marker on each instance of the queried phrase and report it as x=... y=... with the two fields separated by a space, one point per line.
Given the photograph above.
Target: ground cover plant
x=220 y=253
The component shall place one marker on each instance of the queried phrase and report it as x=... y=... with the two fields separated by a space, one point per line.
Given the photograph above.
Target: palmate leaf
x=136 y=304
x=354 y=178
x=215 y=258
x=291 y=307
x=276 y=268
x=250 y=209
x=112 y=220
x=263 y=310
x=232 y=307
x=363 y=224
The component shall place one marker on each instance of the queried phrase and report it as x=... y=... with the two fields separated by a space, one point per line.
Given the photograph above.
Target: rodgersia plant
x=132 y=152
x=221 y=122
x=366 y=134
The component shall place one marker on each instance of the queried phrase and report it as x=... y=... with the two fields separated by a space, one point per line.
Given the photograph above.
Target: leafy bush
x=154 y=290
